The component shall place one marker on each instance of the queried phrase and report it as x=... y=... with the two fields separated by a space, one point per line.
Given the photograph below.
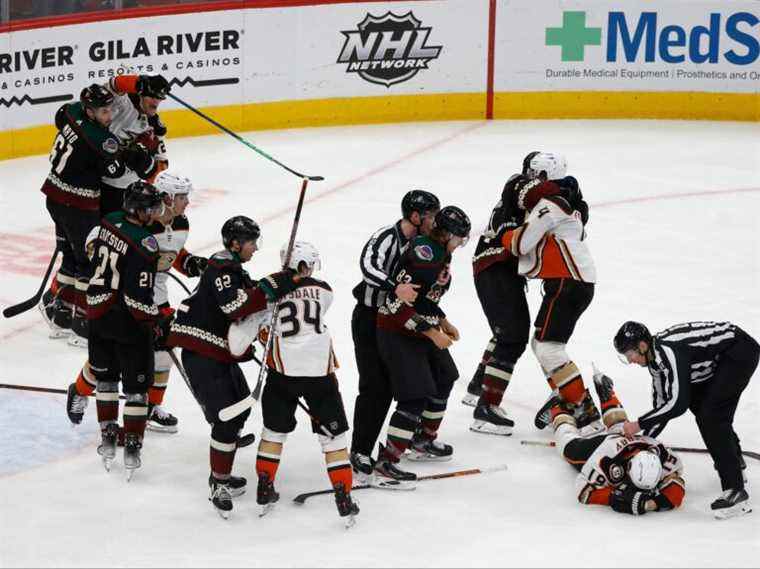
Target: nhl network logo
x=388 y=49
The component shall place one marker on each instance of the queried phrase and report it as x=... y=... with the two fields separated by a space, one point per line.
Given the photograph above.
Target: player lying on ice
x=632 y=475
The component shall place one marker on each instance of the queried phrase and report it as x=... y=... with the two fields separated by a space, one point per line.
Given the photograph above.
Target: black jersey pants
x=72 y=225
x=374 y=399
x=714 y=405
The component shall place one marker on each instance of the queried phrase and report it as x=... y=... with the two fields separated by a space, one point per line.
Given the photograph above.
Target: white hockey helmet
x=303 y=252
x=645 y=470
x=553 y=165
x=89 y=242
x=171 y=184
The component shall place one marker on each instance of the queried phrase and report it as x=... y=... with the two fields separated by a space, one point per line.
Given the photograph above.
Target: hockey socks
x=339 y=469
x=158 y=389
x=107 y=401
x=401 y=429
x=568 y=381
x=496 y=379
x=135 y=414
x=85 y=382
x=268 y=457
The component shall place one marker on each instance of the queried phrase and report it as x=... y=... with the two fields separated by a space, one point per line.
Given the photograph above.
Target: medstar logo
x=573 y=36
x=388 y=49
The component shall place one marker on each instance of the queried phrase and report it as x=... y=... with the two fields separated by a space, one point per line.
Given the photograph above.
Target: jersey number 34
x=295 y=314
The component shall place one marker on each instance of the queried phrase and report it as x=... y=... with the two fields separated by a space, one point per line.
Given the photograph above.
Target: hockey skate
x=347 y=508
x=75 y=405
x=266 y=496
x=362 y=466
x=474 y=389
x=389 y=476
x=57 y=316
x=220 y=496
x=79 y=331
x=132 y=446
x=587 y=417
x=732 y=503
x=107 y=446
x=160 y=420
x=543 y=416
x=491 y=420
x=426 y=450
x=236 y=485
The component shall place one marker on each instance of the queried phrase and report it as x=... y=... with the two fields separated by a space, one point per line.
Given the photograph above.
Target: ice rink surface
x=674 y=233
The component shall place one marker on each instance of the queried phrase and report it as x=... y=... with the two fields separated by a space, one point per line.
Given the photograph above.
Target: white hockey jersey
x=171 y=240
x=127 y=124
x=302 y=345
x=603 y=470
x=552 y=243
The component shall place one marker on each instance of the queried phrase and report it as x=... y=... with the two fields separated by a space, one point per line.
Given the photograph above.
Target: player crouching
x=302 y=364
x=631 y=475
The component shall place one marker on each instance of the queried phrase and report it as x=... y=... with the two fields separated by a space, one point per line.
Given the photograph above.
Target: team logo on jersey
x=110 y=145
x=424 y=252
x=150 y=244
x=388 y=49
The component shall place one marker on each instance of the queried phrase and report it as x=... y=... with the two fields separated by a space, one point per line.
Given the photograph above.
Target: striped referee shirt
x=379 y=262
x=683 y=355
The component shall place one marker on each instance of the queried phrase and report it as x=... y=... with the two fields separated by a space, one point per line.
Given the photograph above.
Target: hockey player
x=83 y=153
x=224 y=295
x=552 y=246
x=124 y=320
x=379 y=263
x=135 y=122
x=705 y=367
x=413 y=341
x=170 y=231
x=631 y=475
x=302 y=364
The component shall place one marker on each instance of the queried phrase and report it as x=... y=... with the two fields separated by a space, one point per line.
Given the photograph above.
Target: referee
x=379 y=261
x=702 y=366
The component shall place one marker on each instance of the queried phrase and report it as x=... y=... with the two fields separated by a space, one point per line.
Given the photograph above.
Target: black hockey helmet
x=454 y=220
x=239 y=228
x=142 y=196
x=95 y=96
x=526 y=161
x=420 y=201
x=629 y=336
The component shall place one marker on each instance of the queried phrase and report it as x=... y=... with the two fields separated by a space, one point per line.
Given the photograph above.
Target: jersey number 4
x=295 y=314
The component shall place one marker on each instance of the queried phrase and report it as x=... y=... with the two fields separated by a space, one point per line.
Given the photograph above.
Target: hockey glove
x=161 y=330
x=155 y=86
x=571 y=191
x=630 y=500
x=194 y=265
x=277 y=285
x=138 y=159
x=149 y=140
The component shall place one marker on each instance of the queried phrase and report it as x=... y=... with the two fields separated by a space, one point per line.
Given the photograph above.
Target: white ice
x=675 y=236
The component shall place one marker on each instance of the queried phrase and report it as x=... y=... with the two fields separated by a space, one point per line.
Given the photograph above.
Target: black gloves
x=194 y=265
x=277 y=285
x=630 y=500
x=137 y=158
x=161 y=329
x=571 y=191
x=155 y=86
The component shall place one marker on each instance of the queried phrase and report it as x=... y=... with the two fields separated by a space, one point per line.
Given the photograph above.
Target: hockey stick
x=42 y=389
x=177 y=279
x=691 y=450
x=17 y=309
x=235 y=409
x=244 y=141
x=301 y=498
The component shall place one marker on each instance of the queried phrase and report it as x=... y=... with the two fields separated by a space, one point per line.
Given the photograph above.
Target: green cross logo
x=573 y=36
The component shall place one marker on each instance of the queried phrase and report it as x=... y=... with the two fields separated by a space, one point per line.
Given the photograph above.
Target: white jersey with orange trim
x=552 y=243
x=605 y=468
x=171 y=240
x=302 y=344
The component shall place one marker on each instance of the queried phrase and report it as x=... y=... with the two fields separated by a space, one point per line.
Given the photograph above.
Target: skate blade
x=161 y=428
x=424 y=457
x=733 y=512
x=489 y=429
x=130 y=472
x=59 y=334
x=390 y=484
x=265 y=509
x=77 y=342
x=350 y=521
x=236 y=493
x=107 y=463
x=224 y=514
x=470 y=400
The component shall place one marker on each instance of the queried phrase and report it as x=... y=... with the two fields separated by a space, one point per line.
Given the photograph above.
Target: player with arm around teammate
x=631 y=475
x=302 y=364
x=225 y=295
x=413 y=341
